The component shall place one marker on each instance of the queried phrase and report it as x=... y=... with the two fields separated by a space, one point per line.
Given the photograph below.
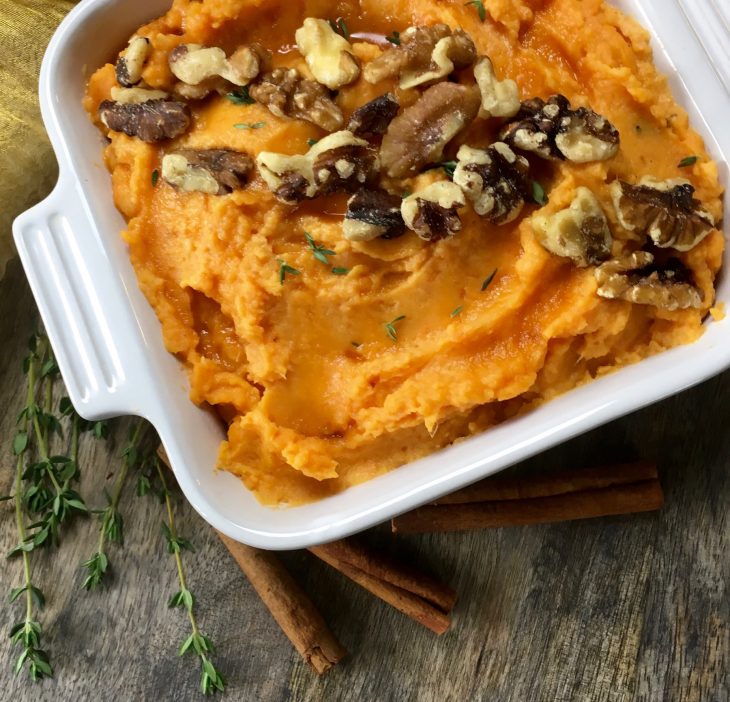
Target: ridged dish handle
x=59 y=248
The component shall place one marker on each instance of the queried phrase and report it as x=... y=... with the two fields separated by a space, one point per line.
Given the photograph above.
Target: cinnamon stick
x=419 y=596
x=289 y=605
x=567 y=496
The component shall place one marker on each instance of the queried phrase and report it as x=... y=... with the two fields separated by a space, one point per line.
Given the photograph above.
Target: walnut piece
x=202 y=69
x=373 y=213
x=339 y=162
x=151 y=121
x=420 y=133
x=425 y=55
x=495 y=181
x=580 y=232
x=328 y=54
x=135 y=96
x=372 y=119
x=287 y=94
x=499 y=98
x=553 y=130
x=431 y=212
x=635 y=278
x=666 y=211
x=130 y=64
x=214 y=171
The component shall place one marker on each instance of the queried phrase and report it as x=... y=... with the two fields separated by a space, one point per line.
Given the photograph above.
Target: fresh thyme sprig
x=538 y=194
x=284 y=269
x=481 y=10
x=340 y=27
x=394 y=38
x=112 y=523
x=210 y=678
x=27 y=632
x=241 y=96
x=49 y=493
x=318 y=251
x=390 y=328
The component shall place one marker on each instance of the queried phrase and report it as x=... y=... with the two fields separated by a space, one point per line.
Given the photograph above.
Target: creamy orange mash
x=316 y=393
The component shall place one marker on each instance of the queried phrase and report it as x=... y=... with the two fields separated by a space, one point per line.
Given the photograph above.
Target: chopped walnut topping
x=495 y=181
x=425 y=55
x=666 y=211
x=341 y=161
x=151 y=121
x=214 y=171
x=177 y=171
x=372 y=214
x=328 y=54
x=579 y=232
x=431 y=212
x=130 y=64
x=420 y=133
x=287 y=94
x=636 y=278
x=338 y=162
x=194 y=64
x=372 y=119
x=554 y=131
x=499 y=98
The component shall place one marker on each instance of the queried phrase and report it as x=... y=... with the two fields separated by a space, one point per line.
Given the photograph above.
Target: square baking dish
x=108 y=341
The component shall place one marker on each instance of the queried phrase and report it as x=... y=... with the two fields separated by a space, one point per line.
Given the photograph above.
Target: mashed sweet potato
x=317 y=394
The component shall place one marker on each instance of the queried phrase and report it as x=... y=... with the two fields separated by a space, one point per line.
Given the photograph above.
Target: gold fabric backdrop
x=27 y=166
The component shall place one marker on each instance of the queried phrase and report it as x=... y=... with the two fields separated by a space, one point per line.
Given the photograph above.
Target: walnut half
x=500 y=98
x=328 y=54
x=424 y=55
x=666 y=211
x=553 y=130
x=129 y=65
x=287 y=94
x=213 y=171
x=372 y=119
x=151 y=120
x=200 y=66
x=371 y=214
x=635 y=278
x=418 y=135
x=339 y=162
x=579 y=232
x=495 y=181
x=431 y=212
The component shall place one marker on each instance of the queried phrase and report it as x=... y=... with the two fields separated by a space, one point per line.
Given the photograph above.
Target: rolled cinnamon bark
x=642 y=496
x=289 y=605
x=419 y=596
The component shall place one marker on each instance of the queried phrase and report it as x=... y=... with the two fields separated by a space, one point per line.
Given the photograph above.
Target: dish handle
x=81 y=298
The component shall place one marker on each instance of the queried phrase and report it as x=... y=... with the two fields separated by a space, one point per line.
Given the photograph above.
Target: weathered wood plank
x=627 y=608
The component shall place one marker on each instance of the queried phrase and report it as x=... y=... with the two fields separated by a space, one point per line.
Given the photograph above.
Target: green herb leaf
x=390 y=328
x=394 y=38
x=241 y=96
x=688 y=161
x=20 y=442
x=155 y=177
x=488 y=280
x=318 y=251
x=312 y=142
x=538 y=194
x=285 y=269
x=449 y=167
x=457 y=311
x=248 y=125
x=340 y=271
x=340 y=27
x=481 y=10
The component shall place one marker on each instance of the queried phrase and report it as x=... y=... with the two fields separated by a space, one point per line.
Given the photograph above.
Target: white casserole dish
x=109 y=344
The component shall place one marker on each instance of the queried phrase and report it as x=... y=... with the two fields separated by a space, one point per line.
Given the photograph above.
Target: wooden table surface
x=629 y=608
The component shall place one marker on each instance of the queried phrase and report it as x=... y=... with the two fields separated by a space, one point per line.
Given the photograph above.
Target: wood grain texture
x=605 y=610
